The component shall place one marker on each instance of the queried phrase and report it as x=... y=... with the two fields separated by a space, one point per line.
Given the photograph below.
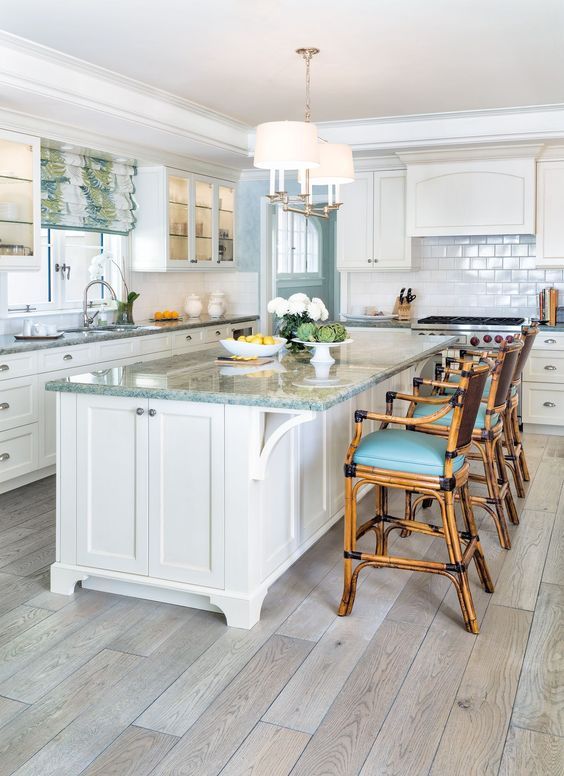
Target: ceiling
x=378 y=57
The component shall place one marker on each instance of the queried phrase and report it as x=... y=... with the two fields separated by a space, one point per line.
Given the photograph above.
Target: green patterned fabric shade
x=82 y=192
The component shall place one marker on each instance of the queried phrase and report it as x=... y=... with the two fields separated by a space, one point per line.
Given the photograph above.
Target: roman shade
x=86 y=193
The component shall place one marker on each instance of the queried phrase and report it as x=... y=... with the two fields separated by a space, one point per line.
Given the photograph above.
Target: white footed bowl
x=237 y=348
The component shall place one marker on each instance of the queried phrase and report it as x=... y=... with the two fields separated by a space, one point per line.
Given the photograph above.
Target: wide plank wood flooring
x=104 y=685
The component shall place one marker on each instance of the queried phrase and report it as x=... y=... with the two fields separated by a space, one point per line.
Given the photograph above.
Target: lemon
x=242 y=338
x=268 y=341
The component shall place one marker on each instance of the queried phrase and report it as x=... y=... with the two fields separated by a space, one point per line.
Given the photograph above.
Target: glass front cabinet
x=20 y=202
x=184 y=221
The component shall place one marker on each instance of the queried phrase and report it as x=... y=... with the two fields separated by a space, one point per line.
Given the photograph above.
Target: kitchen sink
x=102 y=329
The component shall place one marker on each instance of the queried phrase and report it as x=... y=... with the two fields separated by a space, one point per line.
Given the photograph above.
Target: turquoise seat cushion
x=429 y=409
x=456 y=379
x=405 y=451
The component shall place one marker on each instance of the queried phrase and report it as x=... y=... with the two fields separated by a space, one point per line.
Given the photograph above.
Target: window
x=298 y=245
x=64 y=272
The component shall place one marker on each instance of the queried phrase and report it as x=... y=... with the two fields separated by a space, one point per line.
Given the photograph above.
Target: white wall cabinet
x=489 y=196
x=184 y=221
x=550 y=207
x=20 y=202
x=371 y=227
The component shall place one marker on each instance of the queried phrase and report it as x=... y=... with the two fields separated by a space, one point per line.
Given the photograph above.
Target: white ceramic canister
x=193 y=306
x=217 y=298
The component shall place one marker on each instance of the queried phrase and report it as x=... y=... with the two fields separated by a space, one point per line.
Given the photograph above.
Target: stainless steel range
x=471 y=330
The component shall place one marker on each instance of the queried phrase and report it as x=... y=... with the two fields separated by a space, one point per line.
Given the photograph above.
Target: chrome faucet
x=88 y=320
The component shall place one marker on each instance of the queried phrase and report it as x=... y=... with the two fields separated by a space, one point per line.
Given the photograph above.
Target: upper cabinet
x=20 y=202
x=486 y=196
x=550 y=210
x=184 y=221
x=371 y=228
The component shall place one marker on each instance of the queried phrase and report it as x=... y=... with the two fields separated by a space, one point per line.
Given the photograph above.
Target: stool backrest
x=503 y=374
x=466 y=405
x=527 y=337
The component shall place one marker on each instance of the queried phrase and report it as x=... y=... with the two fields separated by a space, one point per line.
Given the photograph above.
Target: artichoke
x=306 y=332
x=340 y=332
x=326 y=333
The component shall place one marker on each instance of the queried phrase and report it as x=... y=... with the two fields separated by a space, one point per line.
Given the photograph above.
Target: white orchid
x=97 y=267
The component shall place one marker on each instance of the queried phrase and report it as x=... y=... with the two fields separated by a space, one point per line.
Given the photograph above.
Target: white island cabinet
x=199 y=485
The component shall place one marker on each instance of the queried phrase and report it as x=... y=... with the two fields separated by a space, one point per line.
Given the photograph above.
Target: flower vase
x=125 y=313
x=287 y=327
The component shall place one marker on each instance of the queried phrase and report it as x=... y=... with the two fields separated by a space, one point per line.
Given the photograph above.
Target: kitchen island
x=182 y=481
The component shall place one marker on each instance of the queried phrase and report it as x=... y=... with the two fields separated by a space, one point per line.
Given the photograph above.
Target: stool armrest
x=361 y=415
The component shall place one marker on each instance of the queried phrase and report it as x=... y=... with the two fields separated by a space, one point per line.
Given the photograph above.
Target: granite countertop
x=194 y=376
x=9 y=344
x=374 y=323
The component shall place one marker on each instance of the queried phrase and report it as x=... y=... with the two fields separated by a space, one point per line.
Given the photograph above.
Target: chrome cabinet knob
x=188 y=336
x=549 y=404
x=140 y=411
x=218 y=334
x=67 y=357
x=550 y=368
x=4 y=367
x=550 y=342
x=152 y=413
x=369 y=261
x=4 y=406
x=4 y=457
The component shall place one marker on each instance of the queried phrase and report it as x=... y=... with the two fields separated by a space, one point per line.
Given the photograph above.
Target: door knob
x=152 y=413
x=140 y=411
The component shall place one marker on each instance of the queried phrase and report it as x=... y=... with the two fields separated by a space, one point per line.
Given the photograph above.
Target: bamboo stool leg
x=519 y=441
x=455 y=555
x=469 y=522
x=349 y=544
x=498 y=514
x=502 y=472
x=512 y=459
x=408 y=514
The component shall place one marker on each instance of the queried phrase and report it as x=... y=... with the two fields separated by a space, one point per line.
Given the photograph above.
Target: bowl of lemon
x=254 y=346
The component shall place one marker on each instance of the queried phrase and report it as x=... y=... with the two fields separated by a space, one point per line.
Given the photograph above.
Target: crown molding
x=472 y=153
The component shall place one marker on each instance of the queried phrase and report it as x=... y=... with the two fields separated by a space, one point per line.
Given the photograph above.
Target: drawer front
x=216 y=333
x=60 y=358
x=549 y=340
x=111 y=350
x=18 y=402
x=18 y=365
x=543 y=403
x=156 y=343
x=186 y=340
x=18 y=451
x=545 y=367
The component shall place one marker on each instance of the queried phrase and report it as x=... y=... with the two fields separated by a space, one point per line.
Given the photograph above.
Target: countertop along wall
x=492 y=275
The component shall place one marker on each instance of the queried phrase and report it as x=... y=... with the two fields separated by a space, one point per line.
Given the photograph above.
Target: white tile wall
x=472 y=275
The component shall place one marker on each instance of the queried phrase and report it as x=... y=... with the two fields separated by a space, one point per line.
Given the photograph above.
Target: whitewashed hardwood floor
x=102 y=685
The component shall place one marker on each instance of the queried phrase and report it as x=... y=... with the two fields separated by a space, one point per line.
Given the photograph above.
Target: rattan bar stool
x=417 y=463
x=487 y=436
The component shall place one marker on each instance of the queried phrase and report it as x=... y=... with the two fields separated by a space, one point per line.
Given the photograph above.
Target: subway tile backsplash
x=476 y=275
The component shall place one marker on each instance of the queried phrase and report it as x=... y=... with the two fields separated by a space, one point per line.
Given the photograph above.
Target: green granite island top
x=195 y=377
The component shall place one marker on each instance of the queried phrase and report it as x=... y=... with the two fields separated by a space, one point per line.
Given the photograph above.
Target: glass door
x=178 y=218
x=19 y=203
x=226 y=223
x=204 y=221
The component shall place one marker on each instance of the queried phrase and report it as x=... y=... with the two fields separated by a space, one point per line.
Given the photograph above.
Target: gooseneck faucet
x=89 y=319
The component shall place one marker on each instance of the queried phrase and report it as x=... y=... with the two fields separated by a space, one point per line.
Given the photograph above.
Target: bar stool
x=417 y=463
x=487 y=436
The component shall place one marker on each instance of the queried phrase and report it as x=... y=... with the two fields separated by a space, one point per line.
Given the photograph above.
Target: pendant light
x=295 y=146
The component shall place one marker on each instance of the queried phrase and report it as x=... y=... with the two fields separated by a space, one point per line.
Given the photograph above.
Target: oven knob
x=474 y=341
x=509 y=338
x=498 y=338
x=487 y=337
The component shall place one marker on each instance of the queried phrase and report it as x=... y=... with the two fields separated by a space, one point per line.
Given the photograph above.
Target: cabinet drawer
x=18 y=451
x=156 y=343
x=216 y=333
x=59 y=358
x=119 y=348
x=549 y=340
x=18 y=402
x=545 y=367
x=543 y=403
x=17 y=365
x=186 y=340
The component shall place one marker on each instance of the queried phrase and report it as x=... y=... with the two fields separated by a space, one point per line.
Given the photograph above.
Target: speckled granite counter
x=195 y=377
x=8 y=343
x=377 y=324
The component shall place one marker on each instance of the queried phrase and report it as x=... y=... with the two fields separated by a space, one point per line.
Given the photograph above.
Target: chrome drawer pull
x=218 y=334
x=188 y=336
x=4 y=367
x=4 y=457
x=140 y=411
x=549 y=404
x=4 y=406
x=67 y=357
x=550 y=342
x=550 y=368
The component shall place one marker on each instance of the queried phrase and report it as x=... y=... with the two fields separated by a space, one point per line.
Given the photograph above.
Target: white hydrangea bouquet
x=294 y=311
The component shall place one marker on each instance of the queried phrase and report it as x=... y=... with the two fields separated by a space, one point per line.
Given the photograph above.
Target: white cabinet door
x=186 y=492
x=550 y=206
x=112 y=498
x=391 y=246
x=355 y=224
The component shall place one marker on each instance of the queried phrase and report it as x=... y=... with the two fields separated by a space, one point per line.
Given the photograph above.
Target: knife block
x=402 y=310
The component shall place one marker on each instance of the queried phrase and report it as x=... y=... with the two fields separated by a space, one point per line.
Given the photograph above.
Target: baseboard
x=540 y=428
x=25 y=479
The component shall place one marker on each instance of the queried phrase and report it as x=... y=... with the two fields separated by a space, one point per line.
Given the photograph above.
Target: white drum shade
x=336 y=165
x=286 y=145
